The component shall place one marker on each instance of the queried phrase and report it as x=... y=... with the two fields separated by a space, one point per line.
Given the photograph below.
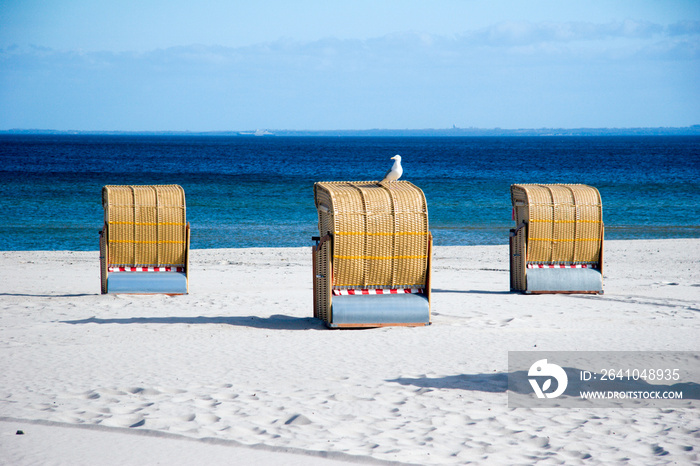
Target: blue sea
x=258 y=191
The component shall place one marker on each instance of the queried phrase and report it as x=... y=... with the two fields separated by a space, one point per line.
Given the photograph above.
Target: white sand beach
x=238 y=372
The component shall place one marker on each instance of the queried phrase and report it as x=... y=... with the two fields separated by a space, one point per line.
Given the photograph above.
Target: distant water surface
x=258 y=191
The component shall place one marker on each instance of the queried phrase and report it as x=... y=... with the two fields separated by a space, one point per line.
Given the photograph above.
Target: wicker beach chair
x=145 y=241
x=372 y=260
x=557 y=245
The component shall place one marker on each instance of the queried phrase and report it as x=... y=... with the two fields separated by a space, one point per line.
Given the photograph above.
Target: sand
x=238 y=372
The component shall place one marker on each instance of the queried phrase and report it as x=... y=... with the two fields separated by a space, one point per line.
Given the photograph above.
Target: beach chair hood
x=144 y=244
x=557 y=245
x=373 y=258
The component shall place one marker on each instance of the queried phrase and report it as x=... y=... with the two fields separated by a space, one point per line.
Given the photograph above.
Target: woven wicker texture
x=517 y=260
x=380 y=232
x=322 y=282
x=145 y=225
x=565 y=222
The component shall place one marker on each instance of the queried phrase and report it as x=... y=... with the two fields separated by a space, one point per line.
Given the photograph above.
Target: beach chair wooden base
x=393 y=324
x=364 y=310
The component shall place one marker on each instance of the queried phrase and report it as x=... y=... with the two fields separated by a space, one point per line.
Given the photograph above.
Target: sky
x=229 y=65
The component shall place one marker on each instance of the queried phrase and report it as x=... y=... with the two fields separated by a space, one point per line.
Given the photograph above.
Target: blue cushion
x=147 y=282
x=547 y=279
x=380 y=309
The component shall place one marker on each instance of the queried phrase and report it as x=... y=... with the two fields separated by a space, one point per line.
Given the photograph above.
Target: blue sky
x=230 y=65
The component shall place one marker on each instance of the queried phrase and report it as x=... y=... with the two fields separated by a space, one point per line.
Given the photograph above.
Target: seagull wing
x=386 y=175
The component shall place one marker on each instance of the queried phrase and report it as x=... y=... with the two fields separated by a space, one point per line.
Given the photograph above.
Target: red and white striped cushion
x=561 y=266
x=146 y=269
x=377 y=291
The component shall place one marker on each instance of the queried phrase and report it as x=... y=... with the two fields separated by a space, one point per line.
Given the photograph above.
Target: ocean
x=258 y=191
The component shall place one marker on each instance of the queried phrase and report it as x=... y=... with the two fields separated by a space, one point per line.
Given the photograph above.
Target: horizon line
x=454 y=130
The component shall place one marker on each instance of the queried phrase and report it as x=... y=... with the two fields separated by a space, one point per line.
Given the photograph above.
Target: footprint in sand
x=173 y=391
x=208 y=418
x=124 y=409
x=91 y=395
x=298 y=420
x=343 y=397
x=143 y=391
x=124 y=421
x=225 y=396
x=658 y=450
x=539 y=442
x=110 y=391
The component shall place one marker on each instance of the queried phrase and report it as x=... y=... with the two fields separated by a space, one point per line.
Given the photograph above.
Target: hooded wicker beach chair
x=557 y=245
x=372 y=260
x=145 y=241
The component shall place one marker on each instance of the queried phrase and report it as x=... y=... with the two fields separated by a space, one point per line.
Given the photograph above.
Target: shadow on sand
x=517 y=382
x=437 y=290
x=28 y=295
x=275 y=322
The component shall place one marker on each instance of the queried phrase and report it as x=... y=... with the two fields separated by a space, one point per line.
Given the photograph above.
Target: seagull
x=396 y=171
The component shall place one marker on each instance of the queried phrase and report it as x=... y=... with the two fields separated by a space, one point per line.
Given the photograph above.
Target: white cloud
x=515 y=74
x=545 y=38
x=683 y=28
x=526 y=33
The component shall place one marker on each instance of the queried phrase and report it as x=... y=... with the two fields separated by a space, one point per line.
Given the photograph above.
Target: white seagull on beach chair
x=395 y=172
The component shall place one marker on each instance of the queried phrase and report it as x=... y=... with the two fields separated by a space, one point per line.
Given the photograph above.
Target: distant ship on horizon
x=257 y=132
